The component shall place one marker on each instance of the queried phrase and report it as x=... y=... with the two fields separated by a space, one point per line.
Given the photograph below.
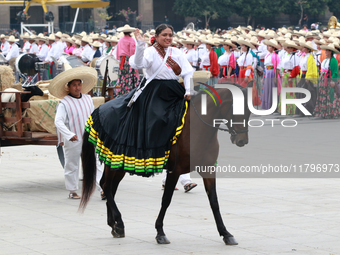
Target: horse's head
x=238 y=124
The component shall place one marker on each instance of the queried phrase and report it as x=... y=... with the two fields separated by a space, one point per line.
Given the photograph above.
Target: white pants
x=183 y=179
x=72 y=151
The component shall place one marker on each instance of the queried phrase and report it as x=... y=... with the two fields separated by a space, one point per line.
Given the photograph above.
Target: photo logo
x=238 y=100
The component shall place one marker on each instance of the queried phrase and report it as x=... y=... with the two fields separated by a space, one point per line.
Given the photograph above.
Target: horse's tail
x=88 y=159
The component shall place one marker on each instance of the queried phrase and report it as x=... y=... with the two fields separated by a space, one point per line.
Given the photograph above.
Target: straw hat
x=51 y=37
x=211 y=41
x=82 y=34
x=25 y=36
x=271 y=35
x=308 y=45
x=281 y=39
x=59 y=34
x=290 y=44
x=86 y=39
x=12 y=39
x=88 y=76
x=152 y=32
x=321 y=42
x=78 y=42
x=327 y=33
x=96 y=44
x=330 y=47
x=33 y=37
x=190 y=41
x=3 y=36
x=254 y=41
x=228 y=42
x=246 y=43
x=126 y=29
x=68 y=40
x=272 y=43
x=262 y=34
x=112 y=39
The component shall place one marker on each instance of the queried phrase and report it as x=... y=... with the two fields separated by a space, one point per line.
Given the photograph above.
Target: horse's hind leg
x=114 y=217
x=170 y=185
x=210 y=189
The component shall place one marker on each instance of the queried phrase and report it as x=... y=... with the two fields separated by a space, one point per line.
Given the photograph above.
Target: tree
x=299 y=7
x=209 y=9
x=252 y=9
x=334 y=6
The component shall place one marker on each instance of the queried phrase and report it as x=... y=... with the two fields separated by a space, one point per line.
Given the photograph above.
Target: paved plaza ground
x=266 y=215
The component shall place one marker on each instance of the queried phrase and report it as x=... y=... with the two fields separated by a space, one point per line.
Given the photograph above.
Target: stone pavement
x=266 y=216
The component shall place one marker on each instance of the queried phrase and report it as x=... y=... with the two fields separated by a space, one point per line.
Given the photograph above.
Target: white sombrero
x=290 y=44
x=308 y=45
x=95 y=44
x=126 y=29
x=272 y=43
x=246 y=43
x=330 y=47
x=88 y=76
x=12 y=39
x=190 y=41
x=228 y=42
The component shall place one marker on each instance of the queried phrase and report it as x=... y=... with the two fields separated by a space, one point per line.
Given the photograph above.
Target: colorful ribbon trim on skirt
x=132 y=164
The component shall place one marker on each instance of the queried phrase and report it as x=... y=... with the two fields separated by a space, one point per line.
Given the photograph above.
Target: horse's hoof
x=162 y=240
x=230 y=240
x=118 y=232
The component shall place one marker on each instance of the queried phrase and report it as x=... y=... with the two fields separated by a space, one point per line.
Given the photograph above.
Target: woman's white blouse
x=303 y=62
x=289 y=61
x=151 y=61
x=325 y=64
x=245 y=60
x=268 y=60
x=223 y=60
x=191 y=56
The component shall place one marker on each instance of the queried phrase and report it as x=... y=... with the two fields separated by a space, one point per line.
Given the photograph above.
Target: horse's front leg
x=170 y=185
x=210 y=189
x=110 y=186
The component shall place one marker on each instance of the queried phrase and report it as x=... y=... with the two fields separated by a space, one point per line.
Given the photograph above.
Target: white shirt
x=224 y=59
x=33 y=48
x=151 y=61
x=26 y=47
x=113 y=51
x=303 y=62
x=263 y=50
x=87 y=54
x=289 y=61
x=42 y=52
x=205 y=60
x=245 y=60
x=268 y=60
x=13 y=51
x=325 y=64
x=54 y=51
x=201 y=50
x=191 y=56
x=61 y=45
x=4 y=48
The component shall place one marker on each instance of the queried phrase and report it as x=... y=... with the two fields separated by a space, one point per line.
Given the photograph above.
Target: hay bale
x=6 y=76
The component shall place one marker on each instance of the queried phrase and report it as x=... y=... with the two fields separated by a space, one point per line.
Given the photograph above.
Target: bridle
x=230 y=129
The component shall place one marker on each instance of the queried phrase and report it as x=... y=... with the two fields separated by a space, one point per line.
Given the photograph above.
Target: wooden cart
x=20 y=137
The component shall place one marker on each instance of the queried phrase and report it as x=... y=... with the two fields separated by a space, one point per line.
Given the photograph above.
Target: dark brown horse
x=200 y=140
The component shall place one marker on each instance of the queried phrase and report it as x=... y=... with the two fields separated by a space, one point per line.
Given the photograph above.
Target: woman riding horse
x=139 y=140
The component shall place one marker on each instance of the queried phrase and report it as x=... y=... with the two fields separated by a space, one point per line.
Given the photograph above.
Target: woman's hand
x=187 y=97
x=332 y=84
x=138 y=36
x=246 y=79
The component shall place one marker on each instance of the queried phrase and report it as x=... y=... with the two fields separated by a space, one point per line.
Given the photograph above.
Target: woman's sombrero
x=88 y=76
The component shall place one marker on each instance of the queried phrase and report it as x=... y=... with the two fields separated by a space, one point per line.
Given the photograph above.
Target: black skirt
x=138 y=140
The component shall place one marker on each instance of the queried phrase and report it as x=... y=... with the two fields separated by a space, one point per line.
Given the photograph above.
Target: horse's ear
x=250 y=84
